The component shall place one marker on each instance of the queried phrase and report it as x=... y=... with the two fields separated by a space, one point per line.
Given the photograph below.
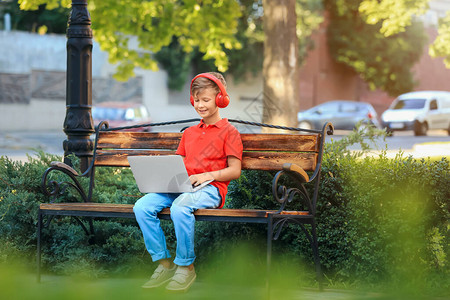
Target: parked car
x=119 y=114
x=342 y=113
x=418 y=111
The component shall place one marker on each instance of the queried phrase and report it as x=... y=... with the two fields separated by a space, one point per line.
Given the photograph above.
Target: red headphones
x=222 y=98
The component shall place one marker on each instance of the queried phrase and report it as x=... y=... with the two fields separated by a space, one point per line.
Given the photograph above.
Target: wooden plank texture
x=170 y=140
x=139 y=140
x=128 y=208
x=273 y=161
x=118 y=157
x=268 y=161
x=279 y=142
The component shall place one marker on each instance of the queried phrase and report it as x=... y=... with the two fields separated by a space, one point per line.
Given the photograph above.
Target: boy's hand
x=198 y=179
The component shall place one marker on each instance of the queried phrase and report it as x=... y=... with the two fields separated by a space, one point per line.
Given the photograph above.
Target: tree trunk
x=280 y=67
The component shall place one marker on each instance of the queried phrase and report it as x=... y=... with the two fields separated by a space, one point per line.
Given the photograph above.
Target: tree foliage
x=309 y=17
x=378 y=39
x=248 y=59
x=394 y=15
x=41 y=20
x=441 y=46
x=131 y=31
x=245 y=59
x=383 y=62
x=169 y=45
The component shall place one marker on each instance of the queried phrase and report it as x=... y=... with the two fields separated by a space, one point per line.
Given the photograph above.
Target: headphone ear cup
x=192 y=100
x=222 y=101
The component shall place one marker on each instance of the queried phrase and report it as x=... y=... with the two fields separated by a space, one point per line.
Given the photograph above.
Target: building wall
x=321 y=79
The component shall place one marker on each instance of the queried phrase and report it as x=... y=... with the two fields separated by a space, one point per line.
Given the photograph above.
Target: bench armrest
x=53 y=189
x=64 y=166
x=284 y=194
x=297 y=171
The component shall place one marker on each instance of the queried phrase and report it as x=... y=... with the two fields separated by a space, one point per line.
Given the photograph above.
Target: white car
x=418 y=111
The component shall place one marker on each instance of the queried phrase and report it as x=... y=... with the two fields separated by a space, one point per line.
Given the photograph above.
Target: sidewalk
x=423 y=150
x=17 y=145
x=432 y=149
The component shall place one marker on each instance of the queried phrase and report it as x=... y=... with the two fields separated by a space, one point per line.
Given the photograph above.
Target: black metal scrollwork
x=284 y=195
x=53 y=189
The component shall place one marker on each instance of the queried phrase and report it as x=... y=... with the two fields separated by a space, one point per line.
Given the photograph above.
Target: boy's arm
x=233 y=171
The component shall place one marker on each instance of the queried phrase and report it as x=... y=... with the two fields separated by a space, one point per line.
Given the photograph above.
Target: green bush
x=387 y=220
x=380 y=221
x=19 y=201
x=116 y=247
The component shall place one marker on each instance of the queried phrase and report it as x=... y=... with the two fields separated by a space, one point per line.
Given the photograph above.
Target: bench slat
x=268 y=161
x=279 y=142
x=118 y=158
x=170 y=140
x=139 y=140
x=273 y=161
x=128 y=208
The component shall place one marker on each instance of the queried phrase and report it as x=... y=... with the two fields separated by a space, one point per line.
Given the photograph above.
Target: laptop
x=162 y=174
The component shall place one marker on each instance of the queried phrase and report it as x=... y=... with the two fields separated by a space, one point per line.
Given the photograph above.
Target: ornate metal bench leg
x=315 y=248
x=38 y=255
x=269 y=253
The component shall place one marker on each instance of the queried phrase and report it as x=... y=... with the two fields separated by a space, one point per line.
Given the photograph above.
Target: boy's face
x=205 y=103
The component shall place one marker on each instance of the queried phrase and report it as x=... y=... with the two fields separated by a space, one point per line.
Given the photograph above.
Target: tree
x=285 y=42
x=288 y=26
x=229 y=33
x=384 y=62
x=280 y=67
x=41 y=20
x=247 y=59
x=131 y=31
x=441 y=45
x=396 y=15
x=209 y=28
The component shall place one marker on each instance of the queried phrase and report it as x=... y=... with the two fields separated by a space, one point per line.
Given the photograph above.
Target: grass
x=16 y=283
x=241 y=277
x=20 y=285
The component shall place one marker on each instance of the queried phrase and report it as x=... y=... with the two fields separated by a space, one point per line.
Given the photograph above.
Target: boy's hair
x=202 y=83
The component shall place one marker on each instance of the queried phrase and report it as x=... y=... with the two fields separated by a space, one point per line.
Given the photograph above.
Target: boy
x=212 y=150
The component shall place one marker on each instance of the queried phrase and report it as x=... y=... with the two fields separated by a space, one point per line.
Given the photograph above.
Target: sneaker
x=182 y=280
x=160 y=277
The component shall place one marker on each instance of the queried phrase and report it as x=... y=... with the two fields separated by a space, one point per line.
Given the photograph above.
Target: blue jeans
x=182 y=207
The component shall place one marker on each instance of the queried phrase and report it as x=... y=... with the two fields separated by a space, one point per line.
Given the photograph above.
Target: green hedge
x=380 y=221
x=386 y=220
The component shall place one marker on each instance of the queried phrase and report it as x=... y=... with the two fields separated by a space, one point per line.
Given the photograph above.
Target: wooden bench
x=297 y=155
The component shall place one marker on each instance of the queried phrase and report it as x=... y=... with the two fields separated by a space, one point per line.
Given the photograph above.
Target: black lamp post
x=78 y=124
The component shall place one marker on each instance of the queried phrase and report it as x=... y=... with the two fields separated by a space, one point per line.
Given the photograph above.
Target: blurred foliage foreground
x=383 y=225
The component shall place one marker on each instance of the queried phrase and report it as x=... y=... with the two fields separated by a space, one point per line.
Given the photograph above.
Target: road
x=435 y=143
x=16 y=145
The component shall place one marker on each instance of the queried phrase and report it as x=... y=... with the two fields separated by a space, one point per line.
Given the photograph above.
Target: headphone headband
x=222 y=98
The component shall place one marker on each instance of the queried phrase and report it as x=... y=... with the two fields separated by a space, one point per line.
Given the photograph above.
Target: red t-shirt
x=206 y=147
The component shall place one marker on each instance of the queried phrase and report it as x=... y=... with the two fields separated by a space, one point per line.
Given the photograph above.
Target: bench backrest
x=261 y=151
